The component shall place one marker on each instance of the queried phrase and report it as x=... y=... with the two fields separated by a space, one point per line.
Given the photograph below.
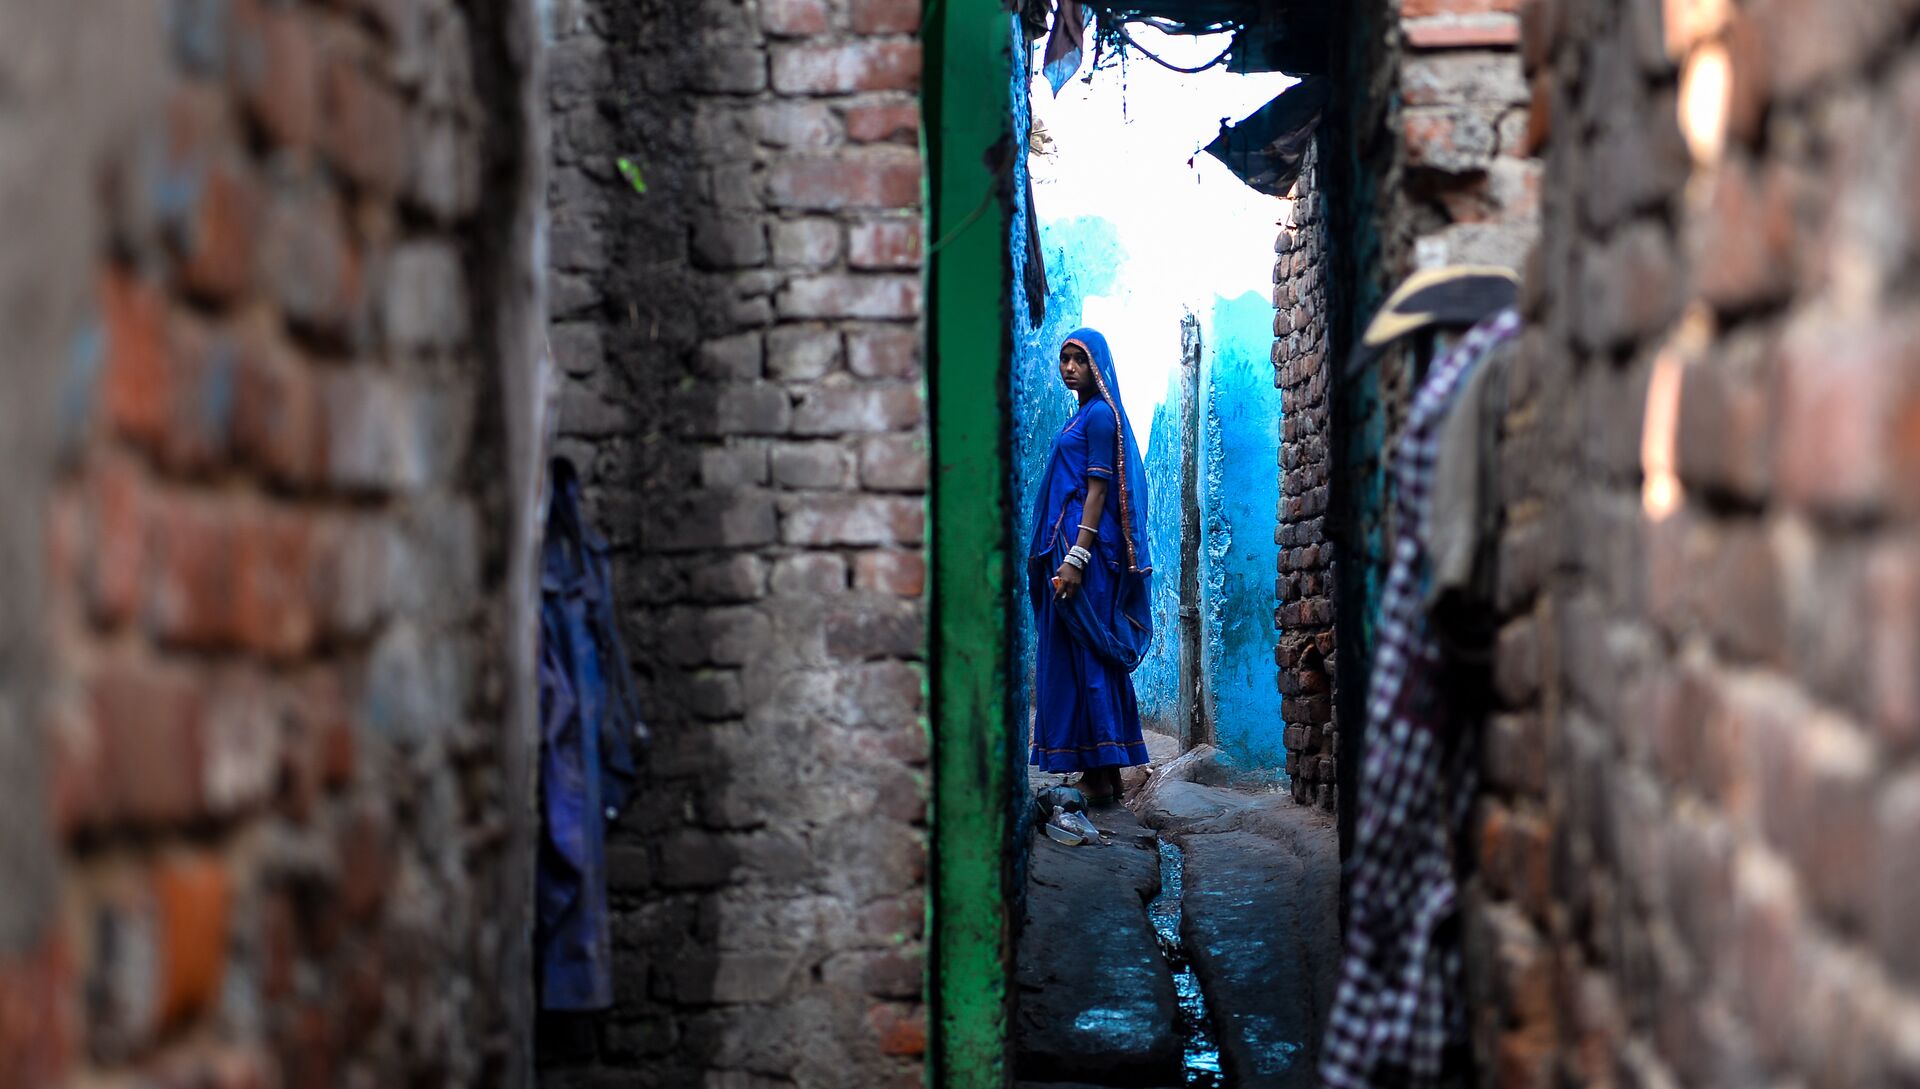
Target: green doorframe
x=967 y=116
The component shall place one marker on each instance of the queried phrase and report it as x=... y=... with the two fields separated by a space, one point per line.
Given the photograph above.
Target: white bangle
x=1090 y=529
x=1075 y=562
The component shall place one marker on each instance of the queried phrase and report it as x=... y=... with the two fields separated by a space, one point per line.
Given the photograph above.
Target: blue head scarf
x=1130 y=482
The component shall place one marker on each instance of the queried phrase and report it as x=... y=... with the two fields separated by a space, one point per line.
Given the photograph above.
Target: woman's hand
x=1066 y=582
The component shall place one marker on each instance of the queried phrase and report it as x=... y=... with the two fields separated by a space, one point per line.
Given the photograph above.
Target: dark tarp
x=1266 y=149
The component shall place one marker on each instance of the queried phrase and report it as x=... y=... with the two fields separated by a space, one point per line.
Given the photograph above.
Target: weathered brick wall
x=1697 y=849
x=1304 y=587
x=1427 y=161
x=258 y=686
x=743 y=395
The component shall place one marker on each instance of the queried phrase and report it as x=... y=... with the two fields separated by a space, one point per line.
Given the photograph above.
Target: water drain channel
x=1200 y=1058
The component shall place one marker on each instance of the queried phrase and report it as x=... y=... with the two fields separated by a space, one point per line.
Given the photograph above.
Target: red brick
x=217 y=245
x=897 y=973
x=276 y=67
x=857 y=296
x=852 y=520
x=900 y=1029
x=1898 y=869
x=363 y=839
x=309 y=260
x=1495 y=33
x=116 y=552
x=1537 y=30
x=277 y=420
x=1495 y=824
x=1811 y=41
x=1837 y=850
x=37 y=1030
x=272 y=599
x=844 y=69
x=77 y=788
x=834 y=410
x=894 y=463
x=1539 y=116
x=191 y=601
x=349 y=569
x=1762 y=948
x=1724 y=440
x=884 y=353
x=1420 y=9
x=1740 y=596
x=1893 y=641
x=903 y=574
x=895 y=122
x=878 y=178
x=1517 y=662
x=887 y=244
x=1744 y=250
x=363 y=127
x=1455 y=140
x=137 y=399
x=193 y=893
x=1845 y=415
x=794 y=18
x=204 y=372
x=1752 y=90
x=886 y=16
x=151 y=730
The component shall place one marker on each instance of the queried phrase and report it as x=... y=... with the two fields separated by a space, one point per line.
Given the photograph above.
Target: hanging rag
x=1463 y=517
x=1033 y=272
x=1066 y=45
x=589 y=721
x=1398 y=1013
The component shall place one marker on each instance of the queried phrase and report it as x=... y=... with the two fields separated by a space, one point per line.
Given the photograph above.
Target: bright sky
x=1120 y=151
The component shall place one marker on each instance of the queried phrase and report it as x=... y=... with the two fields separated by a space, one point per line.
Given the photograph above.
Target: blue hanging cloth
x=589 y=720
x=1066 y=45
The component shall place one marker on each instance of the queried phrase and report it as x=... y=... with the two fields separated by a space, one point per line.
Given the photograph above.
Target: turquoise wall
x=1157 y=681
x=1240 y=498
x=1081 y=255
x=1240 y=432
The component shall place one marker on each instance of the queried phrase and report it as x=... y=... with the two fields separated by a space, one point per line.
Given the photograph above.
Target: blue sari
x=1085 y=712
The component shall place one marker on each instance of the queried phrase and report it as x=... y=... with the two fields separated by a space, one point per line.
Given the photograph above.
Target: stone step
x=1096 y=1003
x=1261 y=928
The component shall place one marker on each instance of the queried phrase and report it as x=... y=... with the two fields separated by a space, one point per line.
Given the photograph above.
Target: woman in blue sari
x=1087 y=575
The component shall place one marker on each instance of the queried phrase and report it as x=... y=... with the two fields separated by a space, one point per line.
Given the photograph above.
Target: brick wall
x=1426 y=159
x=743 y=395
x=1698 y=840
x=258 y=697
x=1304 y=587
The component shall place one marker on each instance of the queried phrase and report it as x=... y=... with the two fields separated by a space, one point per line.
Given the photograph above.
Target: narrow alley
x=1195 y=945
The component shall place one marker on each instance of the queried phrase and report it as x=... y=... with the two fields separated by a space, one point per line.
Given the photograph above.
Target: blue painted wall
x=1081 y=255
x=1239 y=491
x=1157 y=681
x=1239 y=497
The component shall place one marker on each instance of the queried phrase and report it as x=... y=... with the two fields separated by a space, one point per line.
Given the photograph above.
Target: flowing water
x=1200 y=1060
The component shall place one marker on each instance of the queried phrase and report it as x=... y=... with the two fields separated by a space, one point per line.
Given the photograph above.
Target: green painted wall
x=968 y=67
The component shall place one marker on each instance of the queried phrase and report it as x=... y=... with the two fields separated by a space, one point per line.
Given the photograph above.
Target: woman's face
x=1076 y=370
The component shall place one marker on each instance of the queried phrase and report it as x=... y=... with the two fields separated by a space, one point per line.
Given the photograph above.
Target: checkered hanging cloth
x=1398 y=1006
